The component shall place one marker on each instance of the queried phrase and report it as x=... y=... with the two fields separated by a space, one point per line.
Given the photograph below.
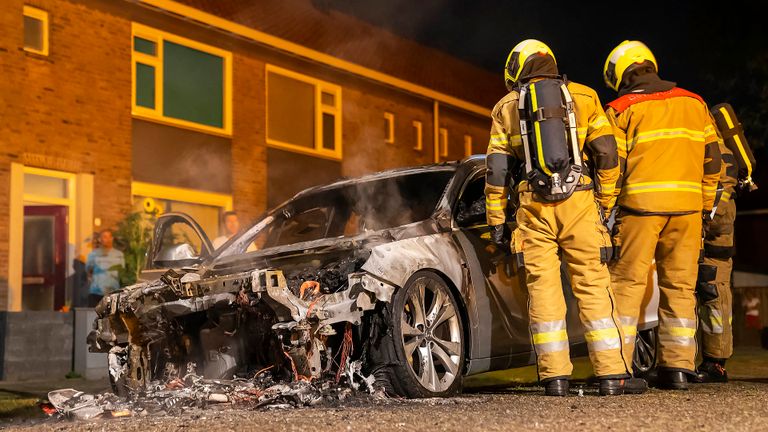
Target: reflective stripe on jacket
x=596 y=142
x=668 y=153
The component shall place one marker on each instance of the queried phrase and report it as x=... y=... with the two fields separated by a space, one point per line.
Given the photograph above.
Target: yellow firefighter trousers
x=572 y=226
x=675 y=242
x=715 y=315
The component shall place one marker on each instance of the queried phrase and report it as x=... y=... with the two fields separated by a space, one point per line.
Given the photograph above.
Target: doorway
x=44 y=257
x=51 y=225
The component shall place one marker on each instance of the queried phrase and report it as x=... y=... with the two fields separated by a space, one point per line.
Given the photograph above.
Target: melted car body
x=391 y=276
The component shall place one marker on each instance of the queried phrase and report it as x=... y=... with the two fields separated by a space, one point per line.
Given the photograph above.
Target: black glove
x=501 y=236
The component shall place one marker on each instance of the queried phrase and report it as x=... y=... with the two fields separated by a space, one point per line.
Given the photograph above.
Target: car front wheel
x=427 y=338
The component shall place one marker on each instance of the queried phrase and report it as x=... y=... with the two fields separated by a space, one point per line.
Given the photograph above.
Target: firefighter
x=670 y=166
x=550 y=220
x=713 y=287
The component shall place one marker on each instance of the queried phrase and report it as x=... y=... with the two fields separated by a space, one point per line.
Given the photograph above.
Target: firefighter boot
x=671 y=379
x=711 y=370
x=614 y=387
x=556 y=387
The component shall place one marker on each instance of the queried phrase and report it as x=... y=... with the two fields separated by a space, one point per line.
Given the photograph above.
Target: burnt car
x=391 y=276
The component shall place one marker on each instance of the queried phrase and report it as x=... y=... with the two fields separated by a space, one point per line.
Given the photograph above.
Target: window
x=181 y=82
x=389 y=128
x=470 y=209
x=467 y=146
x=443 y=142
x=417 y=130
x=204 y=207
x=35 y=30
x=303 y=114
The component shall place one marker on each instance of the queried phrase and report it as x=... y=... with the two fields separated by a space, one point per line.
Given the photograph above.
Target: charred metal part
x=347 y=305
x=118 y=365
x=153 y=330
x=173 y=280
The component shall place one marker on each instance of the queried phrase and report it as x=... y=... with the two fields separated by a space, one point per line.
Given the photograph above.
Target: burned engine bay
x=297 y=323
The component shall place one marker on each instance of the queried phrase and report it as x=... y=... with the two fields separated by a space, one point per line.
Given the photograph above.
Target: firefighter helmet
x=519 y=55
x=624 y=56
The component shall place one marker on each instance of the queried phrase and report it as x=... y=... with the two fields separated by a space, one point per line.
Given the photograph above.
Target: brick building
x=202 y=106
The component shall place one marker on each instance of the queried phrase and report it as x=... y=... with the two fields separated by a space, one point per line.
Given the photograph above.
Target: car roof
x=396 y=172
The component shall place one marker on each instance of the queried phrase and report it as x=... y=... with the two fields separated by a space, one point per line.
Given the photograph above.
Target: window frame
x=320 y=109
x=174 y=193
x=389 y=137
x=443 y=142
x=419 y=135
x=42 y=16
x=156 y=114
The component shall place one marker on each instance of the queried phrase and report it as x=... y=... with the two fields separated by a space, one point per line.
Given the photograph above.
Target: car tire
x=646 y=350
x=426 y=349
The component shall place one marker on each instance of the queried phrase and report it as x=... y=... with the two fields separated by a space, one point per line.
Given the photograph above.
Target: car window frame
x=272 y=216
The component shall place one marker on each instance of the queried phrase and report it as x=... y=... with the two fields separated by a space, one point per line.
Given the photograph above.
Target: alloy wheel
x=431 y=334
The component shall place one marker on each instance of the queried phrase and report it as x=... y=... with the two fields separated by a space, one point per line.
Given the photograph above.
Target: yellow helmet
x=519 y=55
x=628 y=53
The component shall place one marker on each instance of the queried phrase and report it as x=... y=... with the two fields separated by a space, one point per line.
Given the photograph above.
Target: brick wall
x=458 y=124
x=363 y=129
x=249 y=156
x=72 y=107
x=364 y=148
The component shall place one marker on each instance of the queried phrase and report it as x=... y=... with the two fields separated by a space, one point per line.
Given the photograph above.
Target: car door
x=178 y=241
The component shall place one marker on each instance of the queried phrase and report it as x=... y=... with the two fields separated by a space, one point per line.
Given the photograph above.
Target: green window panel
x=145 y=85
x=193 y=85
x=144 y=46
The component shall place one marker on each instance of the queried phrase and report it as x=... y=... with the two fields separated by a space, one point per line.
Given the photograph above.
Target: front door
x=44 y=257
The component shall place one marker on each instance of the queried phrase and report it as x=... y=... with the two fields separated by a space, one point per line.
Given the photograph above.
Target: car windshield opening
x=352 y=209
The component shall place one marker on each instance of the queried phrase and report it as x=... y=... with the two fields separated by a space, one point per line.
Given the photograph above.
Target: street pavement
x=739 y=405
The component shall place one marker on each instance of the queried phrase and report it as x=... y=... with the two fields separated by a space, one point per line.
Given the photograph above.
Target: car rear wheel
x=644 y=359
x=428 y=340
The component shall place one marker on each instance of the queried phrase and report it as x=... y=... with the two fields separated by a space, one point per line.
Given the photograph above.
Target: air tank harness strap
x=579 y=187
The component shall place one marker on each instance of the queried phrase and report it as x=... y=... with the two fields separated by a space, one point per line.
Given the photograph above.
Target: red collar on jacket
x=628 y=100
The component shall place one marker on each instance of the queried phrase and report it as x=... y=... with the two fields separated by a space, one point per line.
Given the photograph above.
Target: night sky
x=689 y=40
x=720 y=53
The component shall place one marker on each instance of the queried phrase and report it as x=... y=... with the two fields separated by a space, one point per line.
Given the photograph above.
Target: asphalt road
x=739 y=405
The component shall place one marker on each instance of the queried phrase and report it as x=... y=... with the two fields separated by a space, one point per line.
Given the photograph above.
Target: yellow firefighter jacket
x=594 y=133
x=668 y=152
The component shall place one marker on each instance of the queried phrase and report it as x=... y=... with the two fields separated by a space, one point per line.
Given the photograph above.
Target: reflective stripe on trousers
x=496 y=204
x=713 y=325
x=629 y=325
x=550 y=336
x=680 y=331
x=602 y=335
